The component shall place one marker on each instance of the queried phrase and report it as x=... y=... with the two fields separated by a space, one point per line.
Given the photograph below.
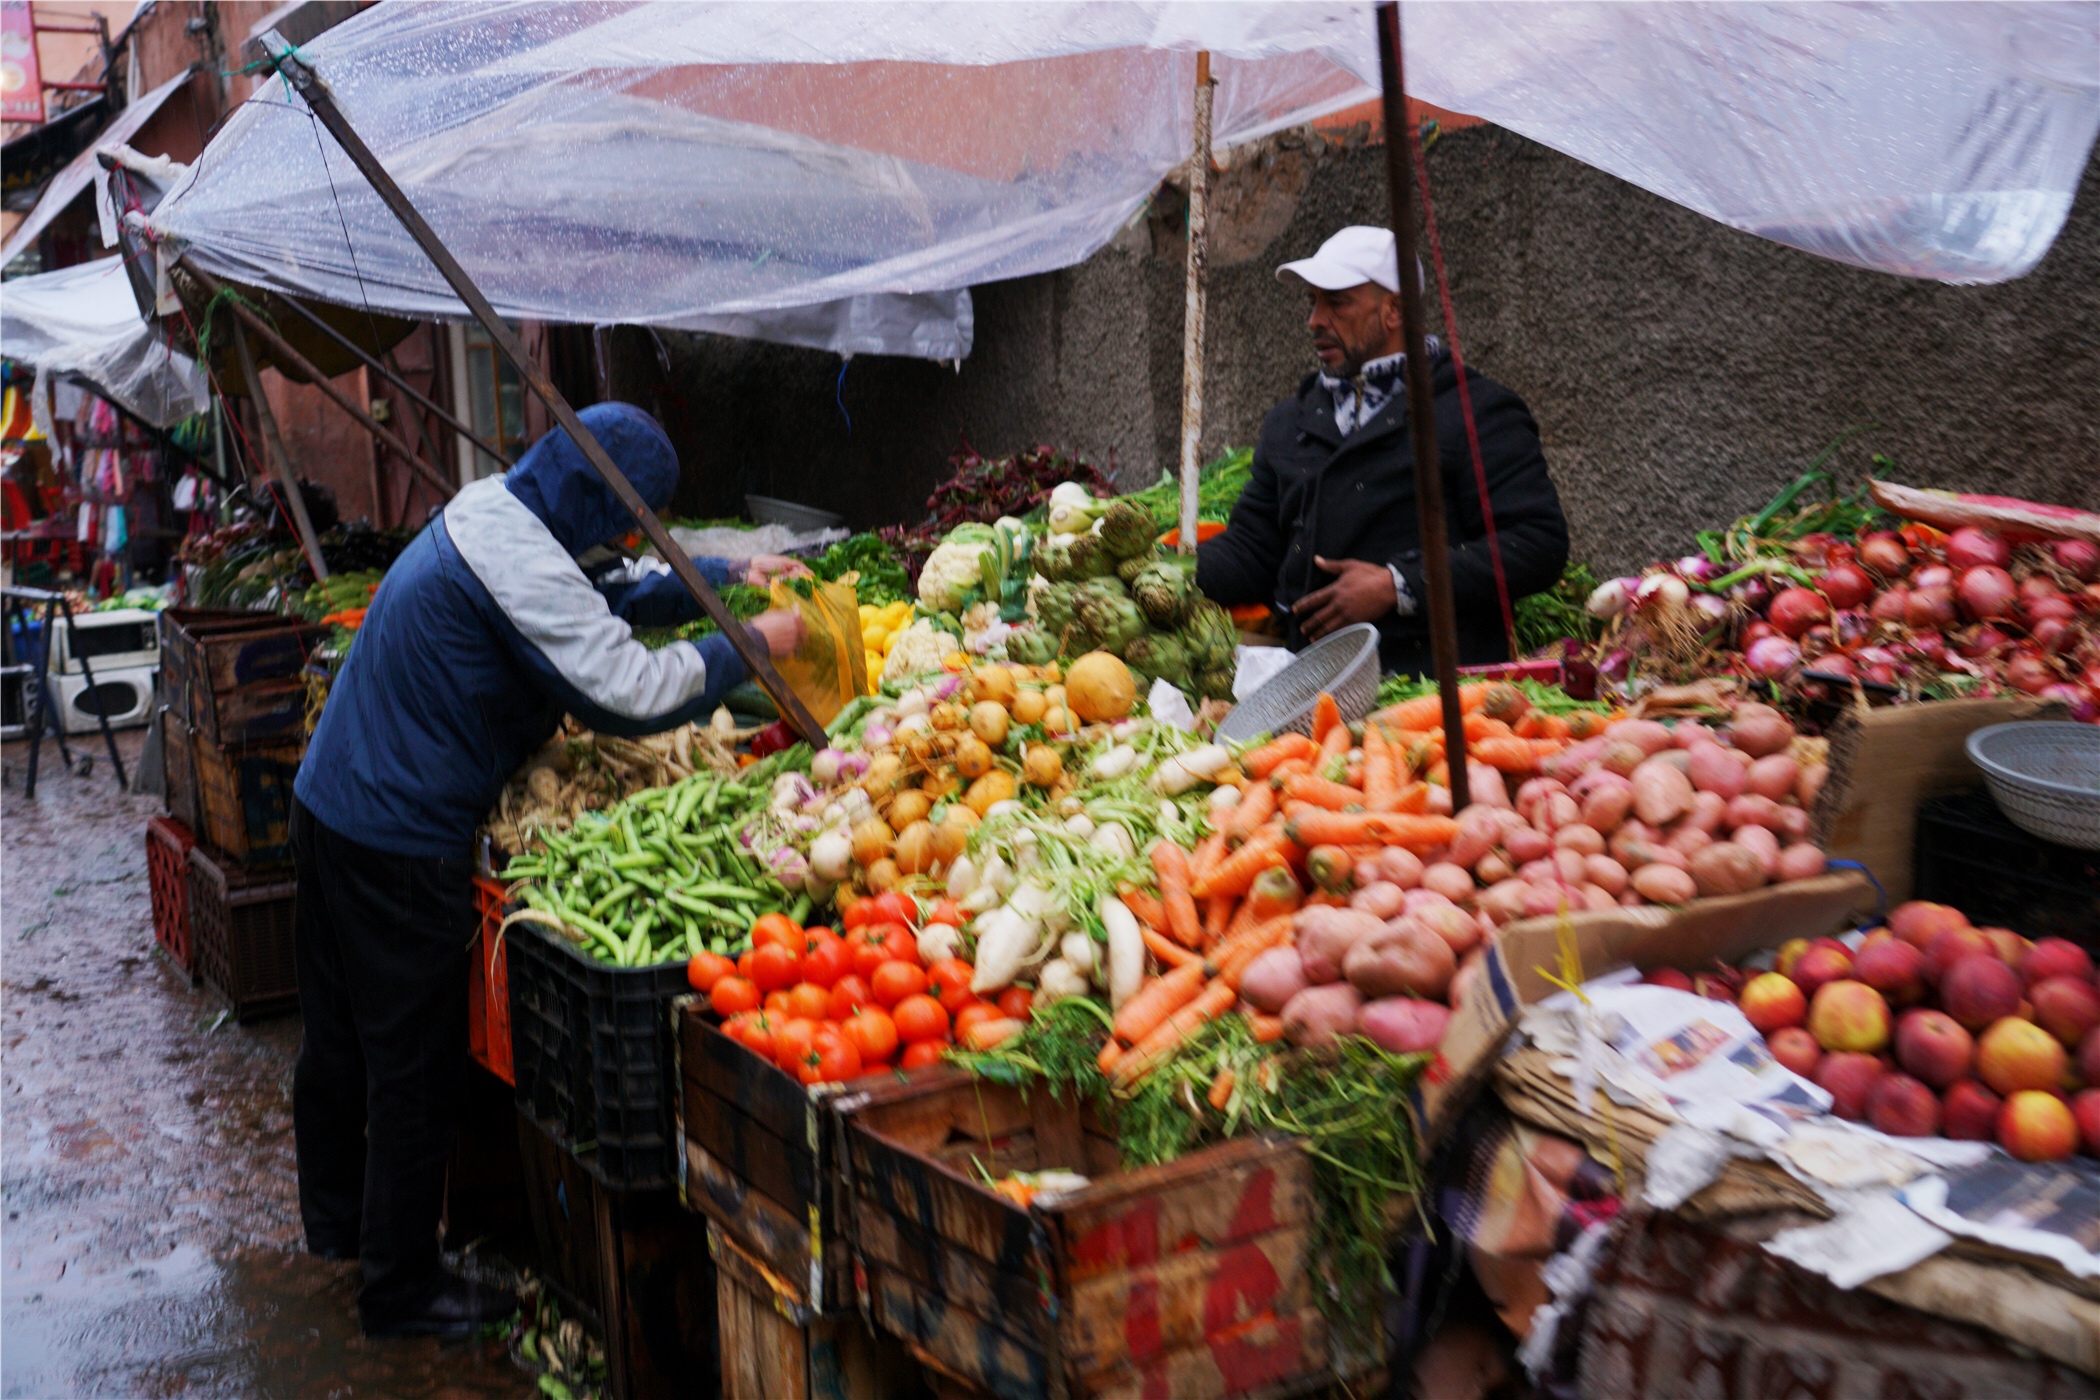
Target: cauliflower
x=920 y=649
x=954 y=568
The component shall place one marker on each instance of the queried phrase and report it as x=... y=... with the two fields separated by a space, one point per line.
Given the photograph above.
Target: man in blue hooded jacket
x=484 y=633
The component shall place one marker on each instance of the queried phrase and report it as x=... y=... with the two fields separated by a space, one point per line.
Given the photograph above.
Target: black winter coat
x=1312 y=492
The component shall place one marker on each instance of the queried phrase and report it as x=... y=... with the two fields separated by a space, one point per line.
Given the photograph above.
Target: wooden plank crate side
x=1192 y=1271
x=774 y=1348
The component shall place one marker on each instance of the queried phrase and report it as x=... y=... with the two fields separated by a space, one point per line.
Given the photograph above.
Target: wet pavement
x=151 y=1242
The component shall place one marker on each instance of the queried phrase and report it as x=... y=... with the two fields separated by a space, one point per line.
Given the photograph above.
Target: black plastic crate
x=595 y=1057
x=241 y=934
x=1970 y=856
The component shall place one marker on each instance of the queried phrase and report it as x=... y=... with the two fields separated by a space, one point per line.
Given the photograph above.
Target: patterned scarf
x=1357 y=401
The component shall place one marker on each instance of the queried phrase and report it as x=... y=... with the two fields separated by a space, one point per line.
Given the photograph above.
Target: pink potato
x=1453 y=882
x=1714 y=769
x=1454 y=925
x=1661 y=792
x=1650 y=736
x=1325 y=936
x=1402 y=959
x=1403 y=1025
x=1379 y=898
x=1271 y=980
x=1774 y=776
x=1397 y=865
x=1665 y=884
x=1318 y=1014
x=1581 y=838
x=1801 y=861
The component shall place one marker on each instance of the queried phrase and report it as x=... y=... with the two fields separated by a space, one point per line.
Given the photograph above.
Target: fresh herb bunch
x=1549 y=698
x=1546 y=619
x=1219 y=483
x=883 y=578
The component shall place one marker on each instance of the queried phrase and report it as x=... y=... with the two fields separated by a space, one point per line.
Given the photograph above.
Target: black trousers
x=382 y=952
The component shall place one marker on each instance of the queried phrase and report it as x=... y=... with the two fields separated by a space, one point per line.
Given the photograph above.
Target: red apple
x=1772 y=1002
x=1978 y=990
x=1790 y=953
x=1848 y=1015
x=2014 y=1055
x=1795 y=1048
x=2037 y=1127
x=1820 y=965
x=2089 y=1057
x=1902 y=1107
x=2066 y=1007
x=2009 y=945
x=1892 y=968
x=1951 y=947
x=2055 y=957
x=1933 y=1046
x=1668 y=977
x=2085 y=1110
x=1849 y=1080
x=1920 y=921
x=1969 y=1111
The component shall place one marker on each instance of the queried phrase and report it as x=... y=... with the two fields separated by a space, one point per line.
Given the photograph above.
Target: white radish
x=1114 y=838
x=1182 y=772
x=1005 y=937
x=937 y=941
x=1058 y=980
x=1077 y=949
x=1126 y=950
x=831 y=855
x=1114 y=763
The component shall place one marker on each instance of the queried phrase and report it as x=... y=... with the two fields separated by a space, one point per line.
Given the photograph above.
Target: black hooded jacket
x=1315 y=492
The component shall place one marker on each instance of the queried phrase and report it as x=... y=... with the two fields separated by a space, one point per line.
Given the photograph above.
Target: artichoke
x=1215 y=683
x=1111 y=623
x=1164 y=588
x=1158 y=656
x=1054 y=562
x=1105 y=586
x=1126 y=530
x=1085 y=558
x=1209 y=635
x=1129 y=569
x=1031 y=646
x=1054 y=608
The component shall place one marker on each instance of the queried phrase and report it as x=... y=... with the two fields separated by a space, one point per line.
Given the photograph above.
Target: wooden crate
x=179 y=762
x=631 y=1265
x=244 y=798
x=207 y=651
x=267 y=712
x=774 y=1348
x=1187 y=1279
x=760 y=1153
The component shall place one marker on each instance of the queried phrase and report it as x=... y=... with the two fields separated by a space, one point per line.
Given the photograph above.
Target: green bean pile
x=662 y=877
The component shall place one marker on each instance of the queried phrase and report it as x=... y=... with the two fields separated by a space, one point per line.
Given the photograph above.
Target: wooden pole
x=291 y=359
x=756 y=659
x=280 y=462
x=1192 y=329
x=1421 y=406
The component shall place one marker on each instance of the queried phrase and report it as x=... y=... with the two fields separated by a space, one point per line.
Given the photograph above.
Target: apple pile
x=1934 y=1026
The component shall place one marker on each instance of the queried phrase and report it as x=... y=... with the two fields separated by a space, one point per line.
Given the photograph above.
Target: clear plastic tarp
x=833 y=174
x=79 y=172
x=84 y=321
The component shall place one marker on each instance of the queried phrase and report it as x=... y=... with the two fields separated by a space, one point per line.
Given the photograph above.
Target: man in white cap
x=1326 y=532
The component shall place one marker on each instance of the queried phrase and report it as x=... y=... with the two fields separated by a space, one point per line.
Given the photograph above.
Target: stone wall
x=1681 y=372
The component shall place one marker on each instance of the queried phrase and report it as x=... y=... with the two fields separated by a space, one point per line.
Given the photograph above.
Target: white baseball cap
x=1358 y=254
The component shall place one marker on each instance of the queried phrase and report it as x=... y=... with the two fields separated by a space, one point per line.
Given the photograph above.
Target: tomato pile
x=828 y=1007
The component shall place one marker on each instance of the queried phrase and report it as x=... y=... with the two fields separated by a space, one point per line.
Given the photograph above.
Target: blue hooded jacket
x=485 y=632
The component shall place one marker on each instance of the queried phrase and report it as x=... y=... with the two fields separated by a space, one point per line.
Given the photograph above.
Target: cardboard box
x=1883 y=763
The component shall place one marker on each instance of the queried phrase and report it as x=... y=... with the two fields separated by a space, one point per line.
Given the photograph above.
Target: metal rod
x=394 y=379
x=291 y=359
x=280 y=461
x=754 y=654
x=1196 y=306
x=1421 y=407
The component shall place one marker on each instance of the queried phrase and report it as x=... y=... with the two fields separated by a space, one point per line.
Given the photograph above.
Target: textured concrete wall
x=1681 y=372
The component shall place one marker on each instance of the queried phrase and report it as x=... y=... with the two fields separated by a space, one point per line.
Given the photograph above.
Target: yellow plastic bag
x=829 y=668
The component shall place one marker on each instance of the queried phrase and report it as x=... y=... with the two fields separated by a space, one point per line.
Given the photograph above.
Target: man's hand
x=764 y=568
x=1361 y=592
x=781 y=630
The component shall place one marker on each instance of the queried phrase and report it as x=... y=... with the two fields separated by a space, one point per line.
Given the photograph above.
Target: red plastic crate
x=488 y=986
x=168 y=845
